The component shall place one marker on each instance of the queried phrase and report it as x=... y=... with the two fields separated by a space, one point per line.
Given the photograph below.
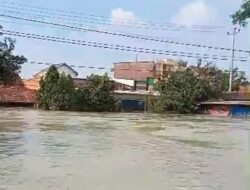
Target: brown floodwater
x=121 y=151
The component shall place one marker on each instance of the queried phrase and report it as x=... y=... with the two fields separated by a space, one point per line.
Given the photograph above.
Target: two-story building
x=145 y=72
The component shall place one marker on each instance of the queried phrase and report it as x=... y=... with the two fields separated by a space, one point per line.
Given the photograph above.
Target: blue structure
x=227 y=108
x=133 y=100
x=240 y=111
x=132 y=105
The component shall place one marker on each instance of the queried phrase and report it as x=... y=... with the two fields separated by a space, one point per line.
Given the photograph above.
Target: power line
x=118 y=47
x=80 y=15
x=87 y=67
x=121 y=47
x=127 y=48
x=97 y=21
x=93 y=67
x=137 y=35
x=121 y=34
x=73 y=66
x=32 y=24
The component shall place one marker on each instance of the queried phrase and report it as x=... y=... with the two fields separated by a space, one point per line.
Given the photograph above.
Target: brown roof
x=245 y=103
x=17 y=94
x=32 y=84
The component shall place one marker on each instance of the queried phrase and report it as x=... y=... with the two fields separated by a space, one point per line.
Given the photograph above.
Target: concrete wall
x=141 y=70
x=134 y=71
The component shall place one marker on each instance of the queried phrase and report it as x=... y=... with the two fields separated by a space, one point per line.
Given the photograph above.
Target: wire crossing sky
x=97 y=33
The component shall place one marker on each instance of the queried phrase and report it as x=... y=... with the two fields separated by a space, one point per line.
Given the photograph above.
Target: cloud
x=195 y=13
x=120 y=16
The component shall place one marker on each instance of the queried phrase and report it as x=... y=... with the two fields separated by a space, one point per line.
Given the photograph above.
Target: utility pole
x=235 y=31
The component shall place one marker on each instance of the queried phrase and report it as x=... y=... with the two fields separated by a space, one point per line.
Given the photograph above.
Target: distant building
x=142 y=70
x=33 y=83
x=234 y=103
x=145 y=73
x=62 y=68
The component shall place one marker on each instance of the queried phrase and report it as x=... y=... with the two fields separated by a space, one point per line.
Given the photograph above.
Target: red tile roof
x=32 y=84
x=17 y=94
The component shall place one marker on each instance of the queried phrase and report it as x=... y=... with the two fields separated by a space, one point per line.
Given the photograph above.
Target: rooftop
x=57 y=66
x=17 y=94
x=243 y=103
x=137 y=92
x=167 y=61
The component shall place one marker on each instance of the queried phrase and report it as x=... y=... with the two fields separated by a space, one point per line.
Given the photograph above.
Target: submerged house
x=227 y=108
x=17 y=96
x=234 y=104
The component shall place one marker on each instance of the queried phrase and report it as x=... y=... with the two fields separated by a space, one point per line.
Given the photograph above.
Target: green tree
x=239 y=78
x=154 y=104
x=65 y=92
x=96 y=95
x=216 y=81
x=181 y=91
x=101 y=93
x=211 y=78
x=182 y=63
x=81 y=100
x=10 y=64
x=56 y=91
x=243 y=14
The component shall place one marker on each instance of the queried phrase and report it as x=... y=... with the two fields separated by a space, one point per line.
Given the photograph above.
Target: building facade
x=142 y=70
x=145 y=73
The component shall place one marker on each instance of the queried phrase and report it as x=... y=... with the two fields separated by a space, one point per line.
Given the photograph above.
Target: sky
x=181 y=12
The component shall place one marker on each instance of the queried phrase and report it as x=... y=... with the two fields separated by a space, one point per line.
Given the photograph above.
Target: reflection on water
x=67 y=150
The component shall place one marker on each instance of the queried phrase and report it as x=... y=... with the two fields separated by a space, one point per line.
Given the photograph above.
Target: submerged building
x=17 y=96
x=235 y=104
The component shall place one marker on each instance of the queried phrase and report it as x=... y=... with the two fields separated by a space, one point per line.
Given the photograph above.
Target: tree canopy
x=243 y=14
x=56 y=91
x=10 y=64
x=183 y=89
x=96 y=95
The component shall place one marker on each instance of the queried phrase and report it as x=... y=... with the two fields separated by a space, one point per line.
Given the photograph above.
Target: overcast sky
x=184 y=12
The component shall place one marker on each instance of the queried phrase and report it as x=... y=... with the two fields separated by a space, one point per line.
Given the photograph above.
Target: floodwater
x=75 y=151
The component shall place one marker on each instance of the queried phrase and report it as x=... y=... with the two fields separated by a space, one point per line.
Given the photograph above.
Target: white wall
x=67 y=71
x=64 y=69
